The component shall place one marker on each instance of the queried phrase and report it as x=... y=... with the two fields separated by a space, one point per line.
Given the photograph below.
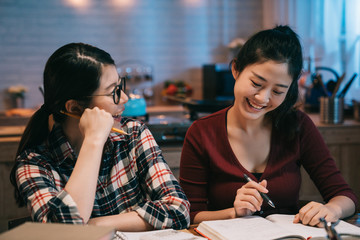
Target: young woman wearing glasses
x=76 y=170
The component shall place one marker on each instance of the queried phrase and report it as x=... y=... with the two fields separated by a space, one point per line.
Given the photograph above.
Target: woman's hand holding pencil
x=78 y=117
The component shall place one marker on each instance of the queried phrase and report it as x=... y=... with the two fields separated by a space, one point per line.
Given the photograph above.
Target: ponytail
x=35 y=133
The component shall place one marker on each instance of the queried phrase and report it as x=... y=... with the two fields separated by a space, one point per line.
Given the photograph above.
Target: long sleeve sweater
x=210 y=173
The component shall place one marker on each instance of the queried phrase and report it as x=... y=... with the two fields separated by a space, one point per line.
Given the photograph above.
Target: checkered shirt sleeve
x=166 y=205
x=46 y=197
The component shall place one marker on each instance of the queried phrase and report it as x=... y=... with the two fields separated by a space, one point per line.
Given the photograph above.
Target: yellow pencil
x=78 y=117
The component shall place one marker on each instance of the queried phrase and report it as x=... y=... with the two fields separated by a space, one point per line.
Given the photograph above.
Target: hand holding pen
x=249 y=197
x=263 y=195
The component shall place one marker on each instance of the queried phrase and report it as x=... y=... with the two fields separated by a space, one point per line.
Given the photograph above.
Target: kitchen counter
x=170 y=123
x=167 y=123
x=11 y=131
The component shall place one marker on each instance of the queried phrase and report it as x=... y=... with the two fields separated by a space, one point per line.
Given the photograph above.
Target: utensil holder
x=331 y=110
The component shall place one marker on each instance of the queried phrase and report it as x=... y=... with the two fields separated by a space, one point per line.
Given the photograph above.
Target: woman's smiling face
x=260 y=88
x=109 y=79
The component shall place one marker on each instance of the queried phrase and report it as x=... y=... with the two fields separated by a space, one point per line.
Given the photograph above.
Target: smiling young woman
x=259 y=89
x=263 y=136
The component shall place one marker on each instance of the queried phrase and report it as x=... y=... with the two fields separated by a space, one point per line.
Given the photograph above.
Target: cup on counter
x=331 y=110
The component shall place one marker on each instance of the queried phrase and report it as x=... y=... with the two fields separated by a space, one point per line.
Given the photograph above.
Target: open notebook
x=166 y=234
x=276 y=226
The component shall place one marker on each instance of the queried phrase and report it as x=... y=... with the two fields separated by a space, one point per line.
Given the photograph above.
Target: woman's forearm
x=342 y=205
x=83 y=180
x=130 y=222
x=214 y=215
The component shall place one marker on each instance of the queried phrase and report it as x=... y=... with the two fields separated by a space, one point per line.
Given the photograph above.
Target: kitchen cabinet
x=343 y=141
x=8 y=207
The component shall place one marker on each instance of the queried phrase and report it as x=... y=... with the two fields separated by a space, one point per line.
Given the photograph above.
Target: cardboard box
x=55 y=231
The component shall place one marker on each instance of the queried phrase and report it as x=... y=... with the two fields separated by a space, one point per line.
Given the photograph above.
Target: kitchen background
x=172 y=40
x=173 y=37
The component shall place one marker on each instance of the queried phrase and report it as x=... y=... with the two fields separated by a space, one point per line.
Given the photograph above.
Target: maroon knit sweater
x=210 y=174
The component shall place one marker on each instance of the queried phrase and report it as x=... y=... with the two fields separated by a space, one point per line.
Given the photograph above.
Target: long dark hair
x=72 y=72
x=280 y=44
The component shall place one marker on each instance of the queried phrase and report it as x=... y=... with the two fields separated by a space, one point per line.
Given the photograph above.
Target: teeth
x=117 y=115
x=255 y=106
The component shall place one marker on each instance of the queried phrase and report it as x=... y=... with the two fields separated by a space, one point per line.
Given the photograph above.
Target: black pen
x=263 y=195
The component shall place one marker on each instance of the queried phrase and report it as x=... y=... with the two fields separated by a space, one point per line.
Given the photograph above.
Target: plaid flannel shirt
x=133 y=176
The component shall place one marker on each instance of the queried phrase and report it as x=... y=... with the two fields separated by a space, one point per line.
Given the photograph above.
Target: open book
x=275 y=226
x=166 y=234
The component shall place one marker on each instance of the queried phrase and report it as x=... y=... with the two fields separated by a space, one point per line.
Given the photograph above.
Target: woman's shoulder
x=38 y=155
x=50 y=152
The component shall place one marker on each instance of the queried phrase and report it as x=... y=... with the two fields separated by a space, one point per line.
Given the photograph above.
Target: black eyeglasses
x=116 y=93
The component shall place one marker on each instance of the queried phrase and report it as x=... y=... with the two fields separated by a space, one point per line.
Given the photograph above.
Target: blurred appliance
x=218 y=82
x=135 y=107
x=139 y=87
x=218 y=91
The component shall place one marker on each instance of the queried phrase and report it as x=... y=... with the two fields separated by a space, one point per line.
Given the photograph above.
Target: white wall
x=176 y=37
